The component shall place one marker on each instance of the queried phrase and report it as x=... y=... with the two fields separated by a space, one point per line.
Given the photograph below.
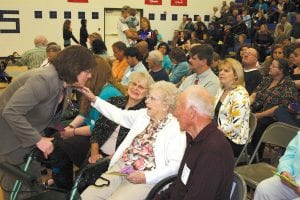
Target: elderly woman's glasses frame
x=134 y=84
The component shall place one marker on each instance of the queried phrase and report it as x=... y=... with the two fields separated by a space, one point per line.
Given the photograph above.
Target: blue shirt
x=179 y=70
x=289 y=162
x=166 y=63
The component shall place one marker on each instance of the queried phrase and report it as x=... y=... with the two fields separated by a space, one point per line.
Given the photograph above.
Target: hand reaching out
x=88 y=93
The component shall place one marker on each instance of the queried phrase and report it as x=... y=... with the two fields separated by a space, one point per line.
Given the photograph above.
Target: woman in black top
x=67 y=33
x=83 y=33
x=107 y=135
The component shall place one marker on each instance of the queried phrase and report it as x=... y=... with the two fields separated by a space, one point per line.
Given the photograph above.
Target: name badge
x=185 y=174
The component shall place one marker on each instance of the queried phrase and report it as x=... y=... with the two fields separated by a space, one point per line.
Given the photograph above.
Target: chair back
x=252 y=127
x=277 y=133
x=161 y=185
x=239 y=188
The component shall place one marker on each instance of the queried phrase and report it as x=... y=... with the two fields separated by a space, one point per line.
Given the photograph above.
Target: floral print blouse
x=281 y=94
x=140 y=154
x=234 y=113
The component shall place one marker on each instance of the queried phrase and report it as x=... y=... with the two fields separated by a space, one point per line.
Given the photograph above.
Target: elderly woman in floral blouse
x=232 y=105
x=151 y=151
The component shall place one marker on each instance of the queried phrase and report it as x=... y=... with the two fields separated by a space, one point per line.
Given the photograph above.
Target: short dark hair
x=203 y=51
x=53 y=47
x=283 y=15
x=283 y=65
x=119 y=45
x=133 y=52
x=72 y=61
x=178 y=55
x=164 y=44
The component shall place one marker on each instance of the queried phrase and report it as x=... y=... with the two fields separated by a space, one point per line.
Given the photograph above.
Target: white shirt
x=121 y=27
x=169 y=145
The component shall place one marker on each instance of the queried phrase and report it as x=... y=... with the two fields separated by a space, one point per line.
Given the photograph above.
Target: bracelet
x=74 y=131
x=71 y=126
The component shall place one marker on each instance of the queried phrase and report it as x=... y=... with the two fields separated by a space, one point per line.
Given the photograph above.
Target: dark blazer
x=27 y=107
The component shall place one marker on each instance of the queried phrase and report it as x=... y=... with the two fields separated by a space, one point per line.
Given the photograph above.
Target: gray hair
x=156 y=56
x=169 y=91
x=53 y=47
x=144 y=75
x=40 y=40
x=201 y=100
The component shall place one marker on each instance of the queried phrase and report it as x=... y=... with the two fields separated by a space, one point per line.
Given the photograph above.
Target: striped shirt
x=33 y=58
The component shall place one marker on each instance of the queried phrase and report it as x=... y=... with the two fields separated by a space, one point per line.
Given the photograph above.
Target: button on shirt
x=207 y=80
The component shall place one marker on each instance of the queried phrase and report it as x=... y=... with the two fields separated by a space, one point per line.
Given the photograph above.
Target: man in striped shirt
x=34 y=58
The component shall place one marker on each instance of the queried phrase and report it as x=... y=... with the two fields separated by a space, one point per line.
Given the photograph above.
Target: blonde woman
x=232 y=105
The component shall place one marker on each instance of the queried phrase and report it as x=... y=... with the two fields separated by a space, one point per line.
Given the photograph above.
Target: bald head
x=40 y=40
x=250 y=58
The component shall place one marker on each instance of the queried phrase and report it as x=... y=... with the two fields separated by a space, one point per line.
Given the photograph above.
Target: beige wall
x=52 y=28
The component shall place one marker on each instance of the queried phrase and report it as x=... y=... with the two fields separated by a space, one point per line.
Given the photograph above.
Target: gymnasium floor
x=13 y=71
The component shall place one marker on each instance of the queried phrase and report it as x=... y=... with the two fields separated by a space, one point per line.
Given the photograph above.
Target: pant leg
x=131 y=191
x=61 y=165
x=100 y=193
x=17 y=158
x=273 y=189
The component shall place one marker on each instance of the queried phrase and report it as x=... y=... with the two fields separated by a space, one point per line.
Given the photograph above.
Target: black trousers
x=67 y=152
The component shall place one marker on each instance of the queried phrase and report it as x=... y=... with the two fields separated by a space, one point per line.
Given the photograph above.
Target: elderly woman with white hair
x=155 y=59
x=232 y=105
x=151 y=151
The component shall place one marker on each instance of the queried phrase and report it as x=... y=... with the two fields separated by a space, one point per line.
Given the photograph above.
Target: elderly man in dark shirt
x=206 y=170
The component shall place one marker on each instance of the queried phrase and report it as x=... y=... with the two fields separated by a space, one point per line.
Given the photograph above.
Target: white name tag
x=185 y=174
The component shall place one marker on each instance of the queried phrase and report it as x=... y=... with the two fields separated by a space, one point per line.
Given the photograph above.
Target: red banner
x=153 y=2
x=178 y=2
x=79 y=1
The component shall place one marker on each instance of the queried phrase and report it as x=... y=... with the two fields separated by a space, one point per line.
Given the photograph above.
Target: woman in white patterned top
x=151 y=151
x=232 y=105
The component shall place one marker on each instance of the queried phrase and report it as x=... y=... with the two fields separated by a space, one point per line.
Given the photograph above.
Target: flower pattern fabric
x=140 y=154
x=281 y=94
x=234 y=113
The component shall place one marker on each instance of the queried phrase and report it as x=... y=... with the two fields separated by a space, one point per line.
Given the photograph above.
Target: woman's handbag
x=91 y=172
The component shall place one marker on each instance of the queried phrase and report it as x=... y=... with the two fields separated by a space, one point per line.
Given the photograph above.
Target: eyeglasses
x=152 y=98
x=134 y=84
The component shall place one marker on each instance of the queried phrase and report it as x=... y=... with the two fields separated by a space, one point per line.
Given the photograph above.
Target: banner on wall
x=79 y=1
x=153 y=2
x=178 y=2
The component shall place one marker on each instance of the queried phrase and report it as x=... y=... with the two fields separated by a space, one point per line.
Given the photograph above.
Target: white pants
x=273 y=189
x=118 y=189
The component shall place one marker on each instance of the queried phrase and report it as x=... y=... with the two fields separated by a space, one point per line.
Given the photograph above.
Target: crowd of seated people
x=136 y=126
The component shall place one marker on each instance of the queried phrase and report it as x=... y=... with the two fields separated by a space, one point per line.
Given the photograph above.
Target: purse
x=90 y=173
